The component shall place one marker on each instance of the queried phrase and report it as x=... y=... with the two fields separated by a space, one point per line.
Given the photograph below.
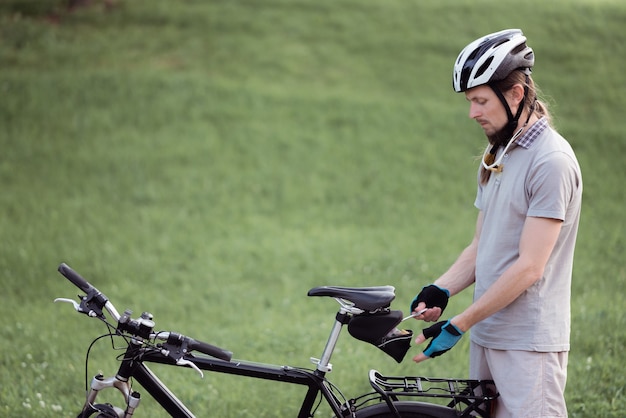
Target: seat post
x=341 y=319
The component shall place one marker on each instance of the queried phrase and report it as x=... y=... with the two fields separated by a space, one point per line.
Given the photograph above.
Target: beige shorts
x=531 y=384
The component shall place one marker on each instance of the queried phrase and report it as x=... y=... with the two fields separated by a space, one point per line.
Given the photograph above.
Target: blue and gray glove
x=432 y=296
x=444 y=336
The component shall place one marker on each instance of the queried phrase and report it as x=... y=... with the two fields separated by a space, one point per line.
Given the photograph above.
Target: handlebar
x=192 y=344
x=94 y=301
x=75 y=278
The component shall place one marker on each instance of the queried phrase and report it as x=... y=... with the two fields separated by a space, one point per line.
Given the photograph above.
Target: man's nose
x=473 y=111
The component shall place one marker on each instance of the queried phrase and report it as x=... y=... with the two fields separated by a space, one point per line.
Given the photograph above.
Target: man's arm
x=536 y=244
x=459 y=276
x=463 y=272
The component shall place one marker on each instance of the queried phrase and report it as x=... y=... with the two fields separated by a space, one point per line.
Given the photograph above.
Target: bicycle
x=365 y=310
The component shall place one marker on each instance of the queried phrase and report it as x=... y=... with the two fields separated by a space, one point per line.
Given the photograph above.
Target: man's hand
x=432 y=297
x=444 y=336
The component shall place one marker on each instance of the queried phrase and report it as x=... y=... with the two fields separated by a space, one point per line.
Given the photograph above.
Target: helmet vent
x=497 y=44
x=472 y=55
x=484 y=67
x=518 y=48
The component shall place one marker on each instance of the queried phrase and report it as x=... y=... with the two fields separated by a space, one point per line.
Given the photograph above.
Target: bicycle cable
x=333 y=389
x=113 y=332
x=87 y=357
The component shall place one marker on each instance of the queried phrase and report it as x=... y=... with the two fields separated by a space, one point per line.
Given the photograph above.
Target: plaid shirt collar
x=532 y=133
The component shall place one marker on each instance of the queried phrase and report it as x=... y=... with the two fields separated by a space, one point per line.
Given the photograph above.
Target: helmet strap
x=512 y=119
x=489 y=158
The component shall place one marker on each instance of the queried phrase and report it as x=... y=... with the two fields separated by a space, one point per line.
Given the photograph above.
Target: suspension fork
x=120 y=382
x=133 y=366
x=99 y=383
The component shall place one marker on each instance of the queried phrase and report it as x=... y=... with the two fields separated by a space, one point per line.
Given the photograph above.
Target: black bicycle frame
x=177 y=351
x=133 y=367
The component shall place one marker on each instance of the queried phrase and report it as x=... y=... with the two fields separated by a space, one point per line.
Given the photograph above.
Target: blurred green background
x=210 y=161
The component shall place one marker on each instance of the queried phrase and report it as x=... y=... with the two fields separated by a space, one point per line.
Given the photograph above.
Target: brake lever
x=183 y=362
x=77 y=306
x=73 y=302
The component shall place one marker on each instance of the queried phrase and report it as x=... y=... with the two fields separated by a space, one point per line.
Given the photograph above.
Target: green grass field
x=210 y=162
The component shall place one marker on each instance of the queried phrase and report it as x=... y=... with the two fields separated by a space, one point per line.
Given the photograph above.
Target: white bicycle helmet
x=492 y=58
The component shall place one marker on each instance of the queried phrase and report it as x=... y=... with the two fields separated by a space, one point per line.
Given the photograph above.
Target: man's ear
x=515 y=96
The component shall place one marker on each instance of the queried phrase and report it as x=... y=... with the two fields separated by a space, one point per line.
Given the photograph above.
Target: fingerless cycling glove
x=444 y=336
x=432 y=296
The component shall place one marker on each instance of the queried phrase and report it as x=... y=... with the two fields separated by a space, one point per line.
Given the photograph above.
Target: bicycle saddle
x=366 y=298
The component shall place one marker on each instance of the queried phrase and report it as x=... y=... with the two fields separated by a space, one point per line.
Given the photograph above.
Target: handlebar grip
x=75 y=278
x=209 y=349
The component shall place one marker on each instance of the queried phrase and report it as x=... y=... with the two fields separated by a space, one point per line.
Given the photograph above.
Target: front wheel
x=407 y=410
x=101 y=411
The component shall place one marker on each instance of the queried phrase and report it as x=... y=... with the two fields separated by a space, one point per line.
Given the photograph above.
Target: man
x=521 y=256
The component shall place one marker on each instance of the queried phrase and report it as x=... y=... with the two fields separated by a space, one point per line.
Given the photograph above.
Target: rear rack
x=468 y=397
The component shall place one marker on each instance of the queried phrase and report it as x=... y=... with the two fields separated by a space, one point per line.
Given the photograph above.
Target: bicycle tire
x=407 y=410
x=102 y=411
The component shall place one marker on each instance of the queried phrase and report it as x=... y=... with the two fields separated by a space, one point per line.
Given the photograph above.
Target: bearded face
x=502 y=136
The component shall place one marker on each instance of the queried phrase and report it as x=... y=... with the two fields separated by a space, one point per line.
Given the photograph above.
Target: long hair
x=532 y=101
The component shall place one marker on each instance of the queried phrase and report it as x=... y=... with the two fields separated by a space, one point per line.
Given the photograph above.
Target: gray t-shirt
x=540 y=179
